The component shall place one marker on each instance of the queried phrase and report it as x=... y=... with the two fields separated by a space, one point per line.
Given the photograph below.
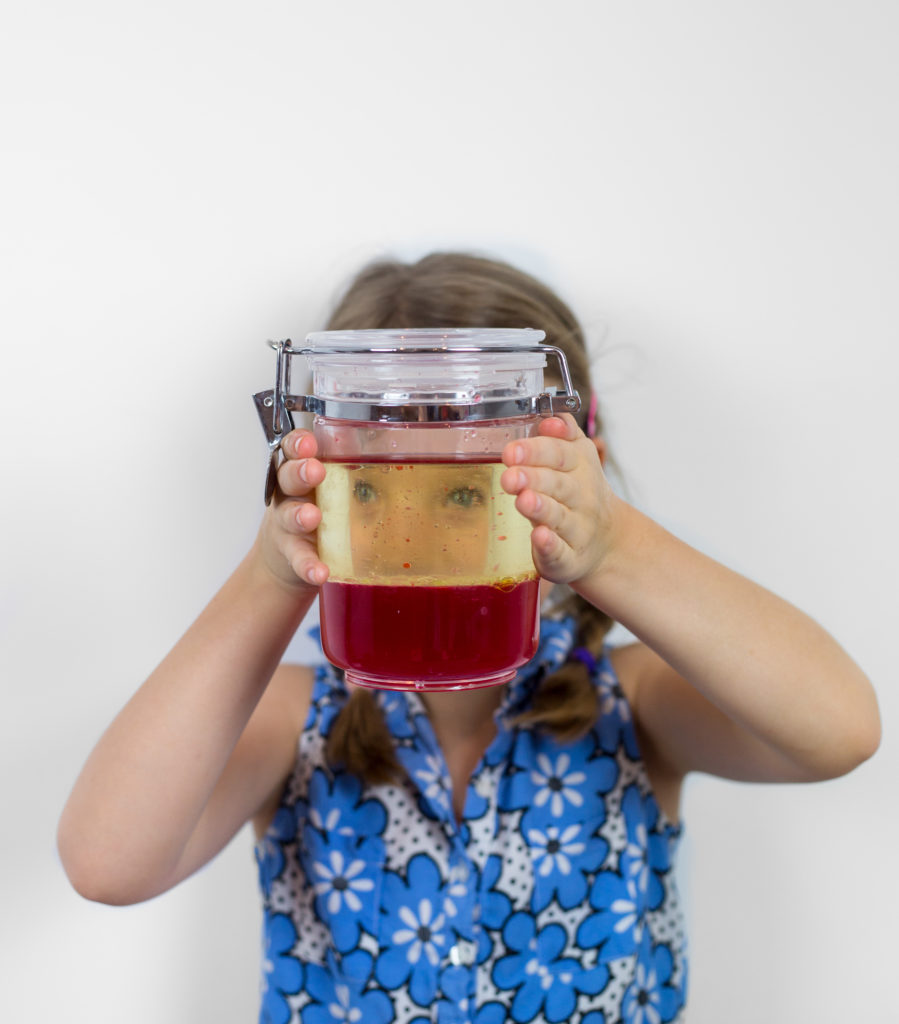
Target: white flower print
x=432 y=780
x=328 y=824
x=552 y=850
x=643 y=1001
x=544 y=975
x=613 y=699
x=340 y=882
x=341 y=1010
x=636 y=854
x=455 y=891
x=627 y=909
x=555 y=785
x=330 y=821
x=423 y=934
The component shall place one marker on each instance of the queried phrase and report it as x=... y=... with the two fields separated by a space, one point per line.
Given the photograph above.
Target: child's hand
x=561 y=488
x=287 y=536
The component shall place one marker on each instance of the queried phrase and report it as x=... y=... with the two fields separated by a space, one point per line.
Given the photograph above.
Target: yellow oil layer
x=422 y=524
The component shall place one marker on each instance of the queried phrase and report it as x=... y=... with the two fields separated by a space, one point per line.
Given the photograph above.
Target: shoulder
x=636 y=664
x=640 y=672
x=269 y=741
x=285 y=703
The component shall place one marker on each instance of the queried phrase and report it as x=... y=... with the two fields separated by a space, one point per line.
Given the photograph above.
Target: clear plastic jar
x=432 y=584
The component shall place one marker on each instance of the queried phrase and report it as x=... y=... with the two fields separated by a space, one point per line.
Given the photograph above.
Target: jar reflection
x=419 y=519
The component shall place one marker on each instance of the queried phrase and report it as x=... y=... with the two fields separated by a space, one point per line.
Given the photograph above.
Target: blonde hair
x=461 y=290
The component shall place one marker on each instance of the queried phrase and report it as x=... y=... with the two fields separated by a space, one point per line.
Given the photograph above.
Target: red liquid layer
x=438 y=637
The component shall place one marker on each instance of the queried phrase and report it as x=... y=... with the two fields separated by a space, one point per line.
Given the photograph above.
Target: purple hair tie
x=582 y=655
x=591 y=416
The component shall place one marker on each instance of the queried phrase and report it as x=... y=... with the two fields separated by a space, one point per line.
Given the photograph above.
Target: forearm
x=146 y=783
x=769 y=667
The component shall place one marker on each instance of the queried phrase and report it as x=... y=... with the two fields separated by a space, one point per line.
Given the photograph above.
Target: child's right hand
x=287 y=536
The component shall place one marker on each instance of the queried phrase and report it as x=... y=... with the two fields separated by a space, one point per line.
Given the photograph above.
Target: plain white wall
x=711 y=185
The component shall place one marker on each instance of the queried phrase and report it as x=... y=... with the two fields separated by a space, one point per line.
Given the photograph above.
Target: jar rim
x=416 y=337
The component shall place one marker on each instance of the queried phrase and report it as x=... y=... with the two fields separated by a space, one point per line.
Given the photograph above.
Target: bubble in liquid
x=419 y=685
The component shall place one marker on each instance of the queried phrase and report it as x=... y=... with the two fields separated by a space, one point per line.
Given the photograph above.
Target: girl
x=497 y=854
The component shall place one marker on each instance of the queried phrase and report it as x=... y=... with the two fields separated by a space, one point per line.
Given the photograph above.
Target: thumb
x=562 y=426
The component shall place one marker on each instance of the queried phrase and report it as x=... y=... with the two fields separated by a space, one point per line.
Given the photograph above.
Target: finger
x=299 y=444
x=550 y=451
x=563 y=487
x=562 y=426
x=304 y=561
x=297 y=477
x=547 y=543
x=548 y=551
x=300 y=517
x=542 y=510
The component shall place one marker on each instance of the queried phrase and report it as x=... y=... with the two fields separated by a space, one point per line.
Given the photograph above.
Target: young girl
x=497 y=854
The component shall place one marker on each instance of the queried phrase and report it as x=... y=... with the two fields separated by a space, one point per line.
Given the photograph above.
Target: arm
x=732 y=680
x=180 y=769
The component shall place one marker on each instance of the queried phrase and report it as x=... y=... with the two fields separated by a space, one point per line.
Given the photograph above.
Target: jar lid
x=417 y=375
x=417 y=338
x=385 y=369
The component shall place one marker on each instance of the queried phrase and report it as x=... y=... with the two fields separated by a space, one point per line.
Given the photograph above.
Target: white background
x=713 y=188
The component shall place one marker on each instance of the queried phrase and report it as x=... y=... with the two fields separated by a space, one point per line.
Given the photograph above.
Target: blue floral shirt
x=552 y=899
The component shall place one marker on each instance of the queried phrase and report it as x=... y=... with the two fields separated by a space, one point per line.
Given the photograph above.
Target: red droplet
x=501 y=538
x=407 y=565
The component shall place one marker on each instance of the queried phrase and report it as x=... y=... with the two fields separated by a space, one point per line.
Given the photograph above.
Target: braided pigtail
x=565 y=703
x=360 y=742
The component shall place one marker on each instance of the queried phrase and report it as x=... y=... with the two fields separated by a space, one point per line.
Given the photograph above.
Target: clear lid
x=426 y=365
x=426 y=337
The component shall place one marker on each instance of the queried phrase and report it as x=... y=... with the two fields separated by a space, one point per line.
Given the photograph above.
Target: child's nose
x=408 y=543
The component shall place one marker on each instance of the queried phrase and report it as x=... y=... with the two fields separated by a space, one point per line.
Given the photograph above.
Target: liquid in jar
x=432 y=582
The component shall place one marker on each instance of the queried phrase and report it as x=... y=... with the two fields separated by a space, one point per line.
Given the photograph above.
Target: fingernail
x=518 y=453
x=303 y=472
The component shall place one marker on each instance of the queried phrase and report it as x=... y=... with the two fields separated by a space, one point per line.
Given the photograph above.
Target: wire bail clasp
x=277 y=406
x=274 y=415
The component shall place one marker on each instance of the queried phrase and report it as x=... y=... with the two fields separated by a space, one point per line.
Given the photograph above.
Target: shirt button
x=463 y=953
x=459 y=873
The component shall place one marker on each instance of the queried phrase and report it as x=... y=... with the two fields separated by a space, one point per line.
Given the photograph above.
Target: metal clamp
x=277 y=406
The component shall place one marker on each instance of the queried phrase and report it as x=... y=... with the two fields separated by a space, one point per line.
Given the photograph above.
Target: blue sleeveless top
x=551 y=900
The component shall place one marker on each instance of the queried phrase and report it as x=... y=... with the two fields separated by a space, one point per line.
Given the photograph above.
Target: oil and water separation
x=431 y=585
x=432 y=581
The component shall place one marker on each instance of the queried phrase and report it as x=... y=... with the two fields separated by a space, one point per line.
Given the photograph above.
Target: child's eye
x=363 y=492
x=465 y=497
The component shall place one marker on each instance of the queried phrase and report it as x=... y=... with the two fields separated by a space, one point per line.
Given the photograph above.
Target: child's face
x=420 y=519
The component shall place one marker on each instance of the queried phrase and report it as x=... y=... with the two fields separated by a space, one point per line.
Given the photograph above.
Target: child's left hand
x=560 y=487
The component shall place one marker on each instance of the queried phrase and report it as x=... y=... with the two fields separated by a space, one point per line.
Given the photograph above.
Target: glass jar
x=432 y=584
